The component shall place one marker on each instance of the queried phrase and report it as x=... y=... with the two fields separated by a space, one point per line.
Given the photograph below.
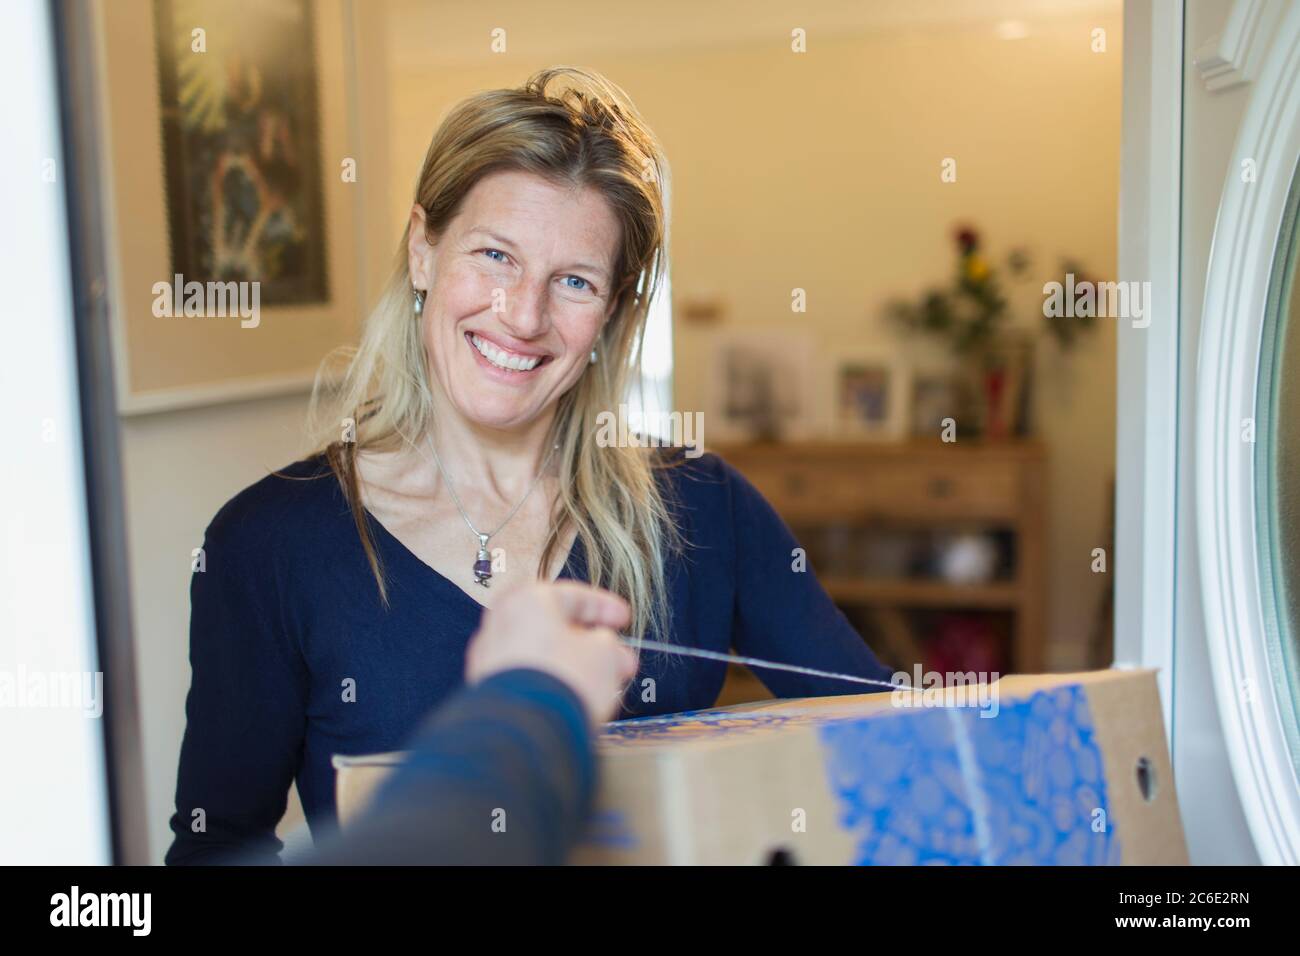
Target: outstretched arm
x=504 y=772
x=501 y=774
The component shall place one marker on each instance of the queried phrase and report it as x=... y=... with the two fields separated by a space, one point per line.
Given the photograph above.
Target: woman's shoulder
x=700 y=478
x=717 y=495
x=278 y=506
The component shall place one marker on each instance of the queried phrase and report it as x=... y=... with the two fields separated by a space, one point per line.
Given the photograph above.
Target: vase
x=1001 y=382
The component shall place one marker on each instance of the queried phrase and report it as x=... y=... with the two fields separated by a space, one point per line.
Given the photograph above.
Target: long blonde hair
x=573 y=127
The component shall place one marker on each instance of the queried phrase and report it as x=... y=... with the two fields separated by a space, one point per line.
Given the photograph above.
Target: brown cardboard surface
x=727 y=785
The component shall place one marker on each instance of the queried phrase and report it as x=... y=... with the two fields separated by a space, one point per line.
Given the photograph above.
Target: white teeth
x=506 y=360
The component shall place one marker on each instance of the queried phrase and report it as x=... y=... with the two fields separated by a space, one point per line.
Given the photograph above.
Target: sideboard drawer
x=920 y=487
x=811 y=489
x=984 y=489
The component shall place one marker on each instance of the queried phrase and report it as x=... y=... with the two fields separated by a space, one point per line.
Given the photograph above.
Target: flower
x=976 y=269
x=968 y=239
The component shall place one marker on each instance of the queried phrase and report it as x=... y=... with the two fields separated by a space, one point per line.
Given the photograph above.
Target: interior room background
x=818 y=170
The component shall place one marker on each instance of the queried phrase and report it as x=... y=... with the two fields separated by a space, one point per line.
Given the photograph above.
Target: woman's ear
x=419 y=250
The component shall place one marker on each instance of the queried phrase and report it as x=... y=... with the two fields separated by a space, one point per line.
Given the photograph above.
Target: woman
x=458 y=456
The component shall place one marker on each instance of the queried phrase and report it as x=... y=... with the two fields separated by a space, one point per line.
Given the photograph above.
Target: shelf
x=920 y=593
x=921 y=486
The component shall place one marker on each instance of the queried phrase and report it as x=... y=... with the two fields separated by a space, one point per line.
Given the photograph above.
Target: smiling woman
x=538 y=228
x=459 y=456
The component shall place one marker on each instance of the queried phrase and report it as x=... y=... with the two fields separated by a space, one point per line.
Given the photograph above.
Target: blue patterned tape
x=943 y=786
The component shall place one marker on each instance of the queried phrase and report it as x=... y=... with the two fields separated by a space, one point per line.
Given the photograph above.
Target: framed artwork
x=225 y=124
x=870 y=397
x=241 y=145
x=760 y=385
x=937 y=396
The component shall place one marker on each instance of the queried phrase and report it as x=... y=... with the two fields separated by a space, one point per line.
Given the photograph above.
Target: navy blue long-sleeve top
x=295 y=658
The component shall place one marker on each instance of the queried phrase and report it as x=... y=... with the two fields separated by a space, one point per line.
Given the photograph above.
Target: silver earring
x=419 y=301
x=593 y=357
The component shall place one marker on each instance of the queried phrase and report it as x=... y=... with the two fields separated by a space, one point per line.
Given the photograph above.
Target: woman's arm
x=782 y=613
x=246 y=709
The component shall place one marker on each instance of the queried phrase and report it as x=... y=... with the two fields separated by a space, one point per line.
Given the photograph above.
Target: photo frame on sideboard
x=761 y=385
x=872 y=396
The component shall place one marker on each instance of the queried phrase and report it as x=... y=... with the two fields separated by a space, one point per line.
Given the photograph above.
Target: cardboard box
x=1050 y=769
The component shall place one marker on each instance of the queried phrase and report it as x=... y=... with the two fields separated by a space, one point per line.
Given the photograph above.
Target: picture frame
x=180 y=360
x=241 y=148
x=936 y=396
x=761 y=385
x=871 y=396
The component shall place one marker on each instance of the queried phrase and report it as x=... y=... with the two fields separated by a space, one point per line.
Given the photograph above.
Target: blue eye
x=584 y=283
x=491 y=253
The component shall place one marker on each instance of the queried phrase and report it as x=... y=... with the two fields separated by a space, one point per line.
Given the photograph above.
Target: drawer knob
x=940 y=487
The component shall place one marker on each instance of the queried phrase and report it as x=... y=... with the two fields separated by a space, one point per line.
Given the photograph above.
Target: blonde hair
x=576 y=128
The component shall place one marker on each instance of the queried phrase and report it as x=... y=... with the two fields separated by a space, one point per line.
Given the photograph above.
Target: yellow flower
x=976 y=268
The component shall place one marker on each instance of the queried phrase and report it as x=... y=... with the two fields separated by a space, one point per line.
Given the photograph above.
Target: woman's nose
x=526 y=313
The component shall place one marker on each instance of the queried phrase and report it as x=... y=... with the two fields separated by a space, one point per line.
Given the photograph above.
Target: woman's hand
x=566 y=629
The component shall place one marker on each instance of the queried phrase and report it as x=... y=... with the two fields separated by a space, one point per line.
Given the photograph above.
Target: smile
x=503 y=359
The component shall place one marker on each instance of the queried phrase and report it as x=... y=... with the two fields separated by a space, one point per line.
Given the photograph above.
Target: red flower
x=968 y=239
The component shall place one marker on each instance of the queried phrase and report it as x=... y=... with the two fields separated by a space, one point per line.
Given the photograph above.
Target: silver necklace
x=483 y=561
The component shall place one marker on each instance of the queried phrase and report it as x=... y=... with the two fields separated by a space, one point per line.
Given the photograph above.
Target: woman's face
x=518 y=288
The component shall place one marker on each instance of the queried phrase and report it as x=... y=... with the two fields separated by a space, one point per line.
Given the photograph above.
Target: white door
x=1212 y=142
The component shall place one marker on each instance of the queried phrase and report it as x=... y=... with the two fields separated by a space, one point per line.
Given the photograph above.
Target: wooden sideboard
x=928 y=485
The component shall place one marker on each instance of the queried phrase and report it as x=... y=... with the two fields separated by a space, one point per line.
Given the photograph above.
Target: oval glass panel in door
x=1277 y=476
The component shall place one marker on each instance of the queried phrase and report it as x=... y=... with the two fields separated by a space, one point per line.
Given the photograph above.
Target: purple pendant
x=483 y=564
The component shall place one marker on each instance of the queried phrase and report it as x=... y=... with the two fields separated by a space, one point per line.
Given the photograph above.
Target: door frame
x=1146 y=453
